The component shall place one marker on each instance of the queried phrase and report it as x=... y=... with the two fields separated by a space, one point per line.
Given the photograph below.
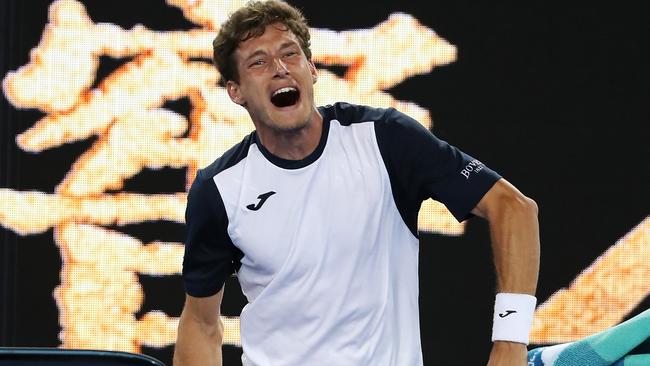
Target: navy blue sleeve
x=422 y=166
x=209 y=252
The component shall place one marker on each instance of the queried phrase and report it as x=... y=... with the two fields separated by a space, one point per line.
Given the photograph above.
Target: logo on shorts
x=508 y=312
x=262 y=197
x=473 y=166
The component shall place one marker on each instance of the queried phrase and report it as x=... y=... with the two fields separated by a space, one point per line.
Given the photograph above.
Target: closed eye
x=256 y=63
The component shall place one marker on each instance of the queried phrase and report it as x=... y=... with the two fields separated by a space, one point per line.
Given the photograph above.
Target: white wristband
x=513 y=317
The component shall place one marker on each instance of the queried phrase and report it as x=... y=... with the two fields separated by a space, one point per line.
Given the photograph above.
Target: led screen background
x=555 y=99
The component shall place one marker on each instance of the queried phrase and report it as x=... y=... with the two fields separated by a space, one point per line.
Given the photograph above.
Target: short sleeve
x=422 y=166
x=209 y=253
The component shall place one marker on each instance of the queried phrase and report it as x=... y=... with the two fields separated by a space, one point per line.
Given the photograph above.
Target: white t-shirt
x=326 y=248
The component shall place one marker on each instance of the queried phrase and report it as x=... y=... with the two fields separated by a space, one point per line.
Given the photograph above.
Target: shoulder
x=387 y=121
x=347 y=113
x=204 y=184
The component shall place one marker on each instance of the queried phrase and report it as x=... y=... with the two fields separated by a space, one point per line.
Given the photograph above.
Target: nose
x=280 y=68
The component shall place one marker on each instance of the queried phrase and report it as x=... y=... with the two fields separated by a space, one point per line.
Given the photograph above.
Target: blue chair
x=72 y=357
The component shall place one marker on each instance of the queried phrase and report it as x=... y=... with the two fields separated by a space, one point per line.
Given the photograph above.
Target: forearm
x=514 y=231
x=198 y=343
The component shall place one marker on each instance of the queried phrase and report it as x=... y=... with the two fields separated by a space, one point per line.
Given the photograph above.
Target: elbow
x=505 y=202
x=521 y=205
x=206 y=326
x=219 y=329
x=530 y=206
x=213 y=329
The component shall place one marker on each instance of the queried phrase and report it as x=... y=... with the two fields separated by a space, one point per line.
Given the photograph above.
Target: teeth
x=284 y=90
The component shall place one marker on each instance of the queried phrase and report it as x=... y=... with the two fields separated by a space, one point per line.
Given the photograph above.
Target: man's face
x=275 y=80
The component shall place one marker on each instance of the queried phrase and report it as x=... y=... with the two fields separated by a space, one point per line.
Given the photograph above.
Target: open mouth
x=285 y=97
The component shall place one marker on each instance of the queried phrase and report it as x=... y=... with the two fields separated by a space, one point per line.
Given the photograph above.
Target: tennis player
x=316 y=213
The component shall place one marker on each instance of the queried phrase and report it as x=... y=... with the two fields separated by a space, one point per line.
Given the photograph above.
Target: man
x=316 y=213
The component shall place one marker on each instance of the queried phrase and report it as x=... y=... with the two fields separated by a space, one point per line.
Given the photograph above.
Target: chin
x=294 y=123
x=290 y=127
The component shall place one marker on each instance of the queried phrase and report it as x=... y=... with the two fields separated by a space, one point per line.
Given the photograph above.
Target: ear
x=234 y=92
x=313 y=70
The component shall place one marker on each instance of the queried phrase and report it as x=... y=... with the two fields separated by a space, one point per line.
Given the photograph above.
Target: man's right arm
x=200 y=332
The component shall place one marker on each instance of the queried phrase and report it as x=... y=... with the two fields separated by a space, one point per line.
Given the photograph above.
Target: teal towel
x=627 y=344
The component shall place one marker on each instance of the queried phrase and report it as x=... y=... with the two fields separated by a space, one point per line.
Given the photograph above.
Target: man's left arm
x=514 y=232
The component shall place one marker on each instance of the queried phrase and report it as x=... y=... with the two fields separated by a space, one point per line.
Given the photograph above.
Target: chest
x=295 y=220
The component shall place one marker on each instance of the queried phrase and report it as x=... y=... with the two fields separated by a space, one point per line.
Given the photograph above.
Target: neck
x=293 y=144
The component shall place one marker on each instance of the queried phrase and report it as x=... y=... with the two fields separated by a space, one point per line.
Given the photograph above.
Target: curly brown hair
x=250 y=21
